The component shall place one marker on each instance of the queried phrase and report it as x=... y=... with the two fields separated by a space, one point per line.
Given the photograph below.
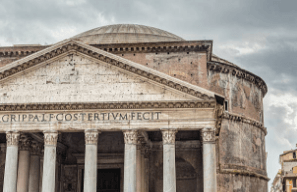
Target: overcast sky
x=258 y=35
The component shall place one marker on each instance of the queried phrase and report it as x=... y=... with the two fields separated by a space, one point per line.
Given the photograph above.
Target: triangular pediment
x=71 y=71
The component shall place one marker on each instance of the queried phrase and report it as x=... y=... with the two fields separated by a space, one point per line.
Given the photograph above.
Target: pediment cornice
x=107 y=105
x=65 y=46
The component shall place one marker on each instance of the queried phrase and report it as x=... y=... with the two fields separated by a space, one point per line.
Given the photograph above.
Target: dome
x=125 y=33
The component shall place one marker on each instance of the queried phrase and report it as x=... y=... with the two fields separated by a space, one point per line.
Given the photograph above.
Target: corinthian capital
x=168 y=136
x=91 y=136
x=130 y=137
x=12 y=138
x=50 y=138
x=207 y=135
x=24 y=143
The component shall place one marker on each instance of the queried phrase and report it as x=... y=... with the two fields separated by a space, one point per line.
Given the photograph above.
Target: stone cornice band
x=239 y=73
x=240 y=118
x=185 y=46
x=243 y=172
x=104 y=105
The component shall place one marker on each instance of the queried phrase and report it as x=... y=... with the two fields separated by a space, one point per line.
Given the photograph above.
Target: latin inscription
x=59 y=117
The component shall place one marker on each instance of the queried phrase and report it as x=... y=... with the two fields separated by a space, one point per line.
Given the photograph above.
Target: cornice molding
x=240 y=118
x=122 y=48
x=158 y=47
x=69 y=45
x=104 y=105
x=244 y=173
x=239 y=73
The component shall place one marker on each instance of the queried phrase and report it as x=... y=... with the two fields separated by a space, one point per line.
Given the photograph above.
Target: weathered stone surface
x=77 y=79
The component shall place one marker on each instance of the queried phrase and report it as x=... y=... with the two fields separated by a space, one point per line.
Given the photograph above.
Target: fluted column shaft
x=24 y=164
x=49 y=162
x=169 y=169
x=130 y=138
x=90 y=176
x=34 y=173
x=11 y=162
x=209 y=160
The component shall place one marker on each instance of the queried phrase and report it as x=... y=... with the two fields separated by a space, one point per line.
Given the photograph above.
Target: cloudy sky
x=258 y=35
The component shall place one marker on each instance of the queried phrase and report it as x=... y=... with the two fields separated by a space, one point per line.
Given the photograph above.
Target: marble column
x=169 y=169
x=49 y=161
x=209 y=160
x=34 y=167
x=90 y=176
x=24 y=164
x=130 y=138
x=11 y=162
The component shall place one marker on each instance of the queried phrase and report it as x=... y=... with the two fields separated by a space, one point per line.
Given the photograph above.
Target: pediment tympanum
x=75 y=78
x=73 y=72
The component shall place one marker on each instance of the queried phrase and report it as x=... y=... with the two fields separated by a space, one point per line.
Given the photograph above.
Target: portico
x=103 y=96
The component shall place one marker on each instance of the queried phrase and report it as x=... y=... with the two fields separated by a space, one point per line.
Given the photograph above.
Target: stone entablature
x=239 y=73
x=188 y=46
x=20 y=51
x=240 y=118
x=107 y=105
x=105 y=119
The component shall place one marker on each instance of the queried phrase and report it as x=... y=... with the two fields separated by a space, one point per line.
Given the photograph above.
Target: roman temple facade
x=129 y=108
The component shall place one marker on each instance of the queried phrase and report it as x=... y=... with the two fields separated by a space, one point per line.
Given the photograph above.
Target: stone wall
x=240 y=183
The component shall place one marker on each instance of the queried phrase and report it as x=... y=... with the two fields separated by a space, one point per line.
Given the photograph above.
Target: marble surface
x=11 y=168
x=49 y=169
x=130 y=168
x=169 y=169
x=209 y=167
x=90 y=176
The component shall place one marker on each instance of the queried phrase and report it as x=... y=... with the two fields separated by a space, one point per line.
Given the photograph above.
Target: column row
x=21 y=181
x=23 y=176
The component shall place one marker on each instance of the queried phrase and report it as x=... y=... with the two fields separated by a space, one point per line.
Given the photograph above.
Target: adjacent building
x=286 y=178
x=129 y=108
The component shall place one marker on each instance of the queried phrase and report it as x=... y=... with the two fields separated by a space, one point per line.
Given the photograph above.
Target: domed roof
x=125 y=33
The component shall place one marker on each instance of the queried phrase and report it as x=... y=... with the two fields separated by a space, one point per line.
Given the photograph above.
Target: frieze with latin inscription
x=80 y=117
